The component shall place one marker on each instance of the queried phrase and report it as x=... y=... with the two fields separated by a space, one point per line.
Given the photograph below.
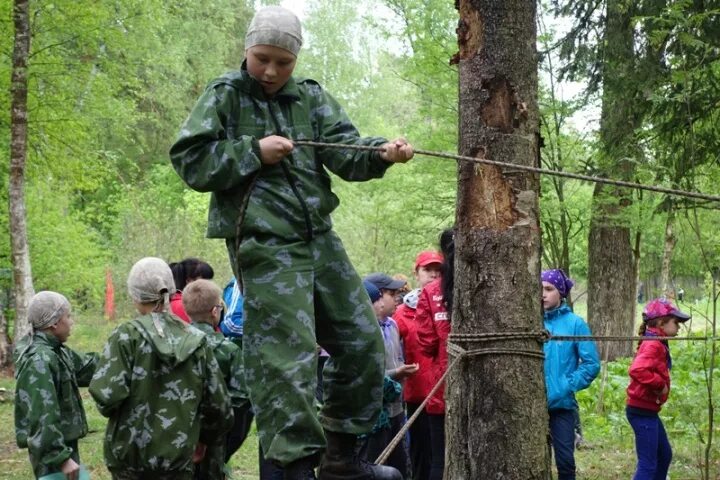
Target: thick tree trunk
x=497 y=424
x=611 y=264
x=22 y=275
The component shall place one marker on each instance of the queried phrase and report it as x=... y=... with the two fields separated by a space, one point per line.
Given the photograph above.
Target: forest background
x=110 y=82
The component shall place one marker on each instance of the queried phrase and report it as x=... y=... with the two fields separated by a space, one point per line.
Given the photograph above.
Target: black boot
x=342 y=461
x=302 y=469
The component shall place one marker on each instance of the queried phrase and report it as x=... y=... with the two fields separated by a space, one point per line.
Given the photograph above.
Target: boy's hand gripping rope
x=545 y=171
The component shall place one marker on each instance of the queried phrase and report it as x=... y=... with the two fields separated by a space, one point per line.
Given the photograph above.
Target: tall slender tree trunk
x=22 y=275
x=669 y=247
x=611 y=264
x=497 y=424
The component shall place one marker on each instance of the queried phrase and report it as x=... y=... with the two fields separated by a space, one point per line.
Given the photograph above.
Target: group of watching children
x=414 y=336
x=171 y=391
x=167 y=388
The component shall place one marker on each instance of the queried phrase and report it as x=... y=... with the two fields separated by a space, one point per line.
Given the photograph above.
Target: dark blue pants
x=437 y=445
x=562 y=431
x=651 y=445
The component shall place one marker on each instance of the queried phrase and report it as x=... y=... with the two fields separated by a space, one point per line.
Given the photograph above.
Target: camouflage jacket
x=218 y=151
x=229 y=358
x=48 y=408
x=160 y=386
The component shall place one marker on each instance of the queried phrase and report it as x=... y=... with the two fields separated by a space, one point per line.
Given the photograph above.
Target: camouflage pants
x=298 y=295
x=212 y=466
x=150 y=475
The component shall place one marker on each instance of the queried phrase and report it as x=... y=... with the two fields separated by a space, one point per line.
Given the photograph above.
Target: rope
x=556 y=173
x=393 y=443
x=620 y=338
x=545 y=336
x=541 y=336
x=459 y=353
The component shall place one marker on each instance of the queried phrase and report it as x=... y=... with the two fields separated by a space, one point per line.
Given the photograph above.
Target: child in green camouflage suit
x=272 y=201
x=49 y=415
x=160 y=386
x=202 y=300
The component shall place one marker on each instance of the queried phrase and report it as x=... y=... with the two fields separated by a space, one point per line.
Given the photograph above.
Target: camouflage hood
x=168 y=337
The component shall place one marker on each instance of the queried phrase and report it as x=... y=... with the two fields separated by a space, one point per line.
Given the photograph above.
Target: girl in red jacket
x=649 y=389
x=433 y=322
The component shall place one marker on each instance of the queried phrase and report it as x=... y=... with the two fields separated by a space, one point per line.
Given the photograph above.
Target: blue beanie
x=372 y=291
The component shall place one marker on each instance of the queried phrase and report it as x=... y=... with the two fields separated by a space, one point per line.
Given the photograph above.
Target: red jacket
x=416 y=386
x=649 y=374
x=433 y=323
x=177 y=308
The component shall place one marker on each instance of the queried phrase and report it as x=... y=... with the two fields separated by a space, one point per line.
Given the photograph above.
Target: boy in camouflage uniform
x=203 y=304
x=272 y=201
x=160 y=386
x=49 y=415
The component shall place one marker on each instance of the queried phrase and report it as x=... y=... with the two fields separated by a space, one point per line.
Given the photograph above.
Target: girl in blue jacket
x=570 y=366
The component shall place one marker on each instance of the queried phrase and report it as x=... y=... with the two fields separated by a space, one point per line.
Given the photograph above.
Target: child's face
x=379 y=308
x=670 y=327
x=216 y=312
x=62 y=328
x=388 y=298
x=270 y=66
x=427 y=274
x=550 y=296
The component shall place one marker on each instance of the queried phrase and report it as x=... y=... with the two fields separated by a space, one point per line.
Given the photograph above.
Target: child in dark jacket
x=650 y=387
x=203 y=304
x=49 y=414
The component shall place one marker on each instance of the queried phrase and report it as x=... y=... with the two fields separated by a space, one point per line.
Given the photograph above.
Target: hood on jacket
x=172 y=340
x=556 y=312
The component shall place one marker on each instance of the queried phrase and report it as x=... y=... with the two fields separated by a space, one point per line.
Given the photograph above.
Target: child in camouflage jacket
x=160 y=386
x=271 y=200
x=203 y=304
x=49 y=415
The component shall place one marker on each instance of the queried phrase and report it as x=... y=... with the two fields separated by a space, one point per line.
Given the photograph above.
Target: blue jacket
x=232 y=322
x=569 y=366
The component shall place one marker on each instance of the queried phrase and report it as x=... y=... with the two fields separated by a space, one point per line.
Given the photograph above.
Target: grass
x=609 y=455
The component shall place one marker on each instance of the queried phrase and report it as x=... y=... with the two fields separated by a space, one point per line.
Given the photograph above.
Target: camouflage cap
x=275 y=26
x=151 y=281
x=46 y=309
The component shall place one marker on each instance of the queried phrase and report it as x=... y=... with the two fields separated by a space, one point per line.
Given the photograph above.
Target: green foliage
x=66 y=254
x=109 y=84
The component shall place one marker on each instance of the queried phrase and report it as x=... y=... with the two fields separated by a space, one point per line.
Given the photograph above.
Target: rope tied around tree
x=456 y=350
x=527 y=168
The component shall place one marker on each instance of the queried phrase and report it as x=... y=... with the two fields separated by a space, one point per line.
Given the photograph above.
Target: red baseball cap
x=428 y=257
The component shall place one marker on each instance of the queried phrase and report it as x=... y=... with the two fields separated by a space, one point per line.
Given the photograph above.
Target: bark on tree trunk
x=670 y=240
x=22 y=275
x=497 y=424
x=611 y=264
x=5 y=352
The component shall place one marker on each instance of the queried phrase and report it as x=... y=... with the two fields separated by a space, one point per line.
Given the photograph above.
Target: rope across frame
x=527 y=168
